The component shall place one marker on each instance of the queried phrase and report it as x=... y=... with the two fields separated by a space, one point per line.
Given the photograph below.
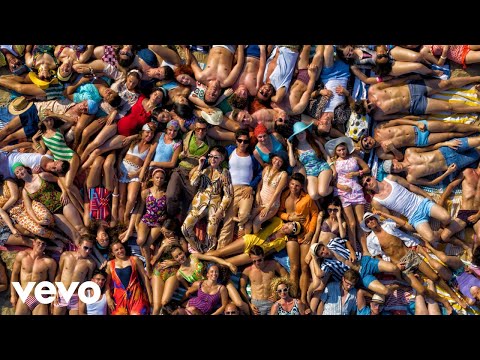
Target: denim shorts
x=463 y=156
x=418 y=97
x=421 y=137
x=368 y=267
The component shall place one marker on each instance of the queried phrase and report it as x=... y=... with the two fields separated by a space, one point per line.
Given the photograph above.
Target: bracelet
x=379 y=79
x=443 y=57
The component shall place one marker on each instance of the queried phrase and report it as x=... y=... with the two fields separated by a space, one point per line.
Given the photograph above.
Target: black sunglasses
x=243 y=141
x=381 y=56
x=332 y=210
x=230 y=313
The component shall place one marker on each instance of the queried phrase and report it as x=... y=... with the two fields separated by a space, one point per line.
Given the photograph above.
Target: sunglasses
x=370 y=218
x=381 y=56
x=368 y=180
x=332 y=210
x=216 y=157
x=284 y=290
x=86 y=248
x=243 y=141
x=230 y=313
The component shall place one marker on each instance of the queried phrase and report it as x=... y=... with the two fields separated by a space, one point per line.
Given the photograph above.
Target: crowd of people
x=236 y=179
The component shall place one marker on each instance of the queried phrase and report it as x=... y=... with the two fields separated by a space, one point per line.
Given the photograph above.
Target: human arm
x=274 y=309
x=262 y=66
x=361 y=302
x=54 y=179
x=291 y=156
x=258 y=158
x=366 y=79
x=448 y=190
x=14 y=194
x=340 y=90
x=421 y=181
x=38 y=143
x=280 y=270
x=244 y=279
x=443 y=57
x=236 y=70
x=305 y=98
x=399 y=221
x=406 y=120
x=143 y=277
x=387 y=151
x=276 y=195
x=70 y=90
x=145 y=166
x=365 y=169
x=15 y=277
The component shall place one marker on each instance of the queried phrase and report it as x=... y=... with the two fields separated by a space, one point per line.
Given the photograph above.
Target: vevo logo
x=41 y=292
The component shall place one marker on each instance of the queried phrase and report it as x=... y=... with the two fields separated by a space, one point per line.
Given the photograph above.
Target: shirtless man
x=447 y=157
x=409 y=95
x=75 y=266
x=302 y=85
x=252 y=72
x=390 y=136
x=267 y=117
x=469 y=212
x=397 y=194
x=259 y=274
x=279 y=70
x=31 y=265
x=408 y=261
x=272 y=238
x=219 y=72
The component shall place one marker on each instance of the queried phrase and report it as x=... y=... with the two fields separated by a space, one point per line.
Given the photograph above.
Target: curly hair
x=292 y=287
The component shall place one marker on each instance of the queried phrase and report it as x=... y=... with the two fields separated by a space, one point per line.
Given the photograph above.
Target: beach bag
x=357 y=126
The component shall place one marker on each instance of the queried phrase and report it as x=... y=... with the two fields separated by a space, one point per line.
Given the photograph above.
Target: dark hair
x=342 y=57
x=383 y=69
x=56 y=123
x=116 y=101
x=335 y=201
x=351 y=275
x=200 y=120
x=169 y=74
x=128 y=250
x=125 y=62
x=242 y=132
x=172 y=224
x=238 y=101
x=359 y=108
x=183 y=110
x=99 y=272
x=65 y=167
x=135 y=73
x=298 y=177
x=256 y=251
x=224 y=153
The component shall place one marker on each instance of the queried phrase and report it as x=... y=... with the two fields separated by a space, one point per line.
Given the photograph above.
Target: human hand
x=111 y=303
x=327 y=93
x=254 y=309
x=421 y=126
x=474 y=218
x=307 y=239
x=296 y=217
x=43 y=222
x=345 y=188
x=201 y=162
x=452 y=168
x=232 y=268
x=387 y=145
x=104 y=265
x=350 y=175
x=265 y=211
x=352 y=257
x=36 y=169
x=128 y=140
x=312 y=70
x=340 y=90
x=64 y=199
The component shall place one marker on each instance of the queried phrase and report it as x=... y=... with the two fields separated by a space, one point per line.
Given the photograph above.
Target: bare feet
x=447 y=306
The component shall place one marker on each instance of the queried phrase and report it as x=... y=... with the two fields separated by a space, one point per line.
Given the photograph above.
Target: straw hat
x=19 y=105
x=378 y=298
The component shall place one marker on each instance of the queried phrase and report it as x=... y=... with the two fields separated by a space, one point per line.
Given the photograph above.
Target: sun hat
x=298 y=127
x=214 y=118
x=19 y=105
x=366 y=216
x=387 y=166
x=42 y=84
x=331 y=145
x=378 y=298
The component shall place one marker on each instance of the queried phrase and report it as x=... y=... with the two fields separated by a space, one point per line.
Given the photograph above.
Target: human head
x=367 y=143
x=201 y=128
x=369 y=221
x=292 y=228
x=165 y=73
x=65 y=71
x=158 y=177
x=134 y=76
x=376 y=304
x=162 y=116
x=44 y=73
x=170 y=227
x=257 y=256
x=299 y=129
x=369 y=183
x=297 y=182
x=85 y=247
x=125 y=55
x=184 y=75
x=217 y=155
x=239 y=98
x=346 y=53
x=111 y=97
x=212 y=92
x=279 y=159
x=324 y=123
x=319 y=250
x=20 y=171
x=243 y=117
x=349 y=279
x=99 y=277
x=266 y=92
x=159 y=95
x=58 y=166
x=98 y=229
x=332 y=146
x=282 y=287
x=118 y=250
x=39 y=244
x=213 y=272
x=231 y=309
x=334 y=207
x=178 y=254
x=260 y=132
x=242 y=138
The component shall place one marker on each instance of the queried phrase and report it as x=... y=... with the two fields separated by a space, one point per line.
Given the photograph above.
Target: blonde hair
x=292 y=287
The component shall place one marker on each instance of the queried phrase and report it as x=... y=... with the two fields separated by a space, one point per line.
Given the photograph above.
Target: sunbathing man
x=31 y=265
x=390 y=136
x=469 y=212
x=75 y=266
x=409 y=262
x=410 y=95
x=219 y=72
x=396 y=194
x=447 y=157
x=252 y=72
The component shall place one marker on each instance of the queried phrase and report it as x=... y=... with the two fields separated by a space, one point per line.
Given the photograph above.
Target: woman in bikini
x=334 y=225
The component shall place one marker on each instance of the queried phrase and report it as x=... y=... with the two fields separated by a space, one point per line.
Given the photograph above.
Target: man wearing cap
x=408 y=261
x=297 y=205
x=272 y=238
x=447 y=157
x=219 y=72
x=180 y=192
x=375 y=307
x=246 y=173
x=397 y=194
x=410 y=131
